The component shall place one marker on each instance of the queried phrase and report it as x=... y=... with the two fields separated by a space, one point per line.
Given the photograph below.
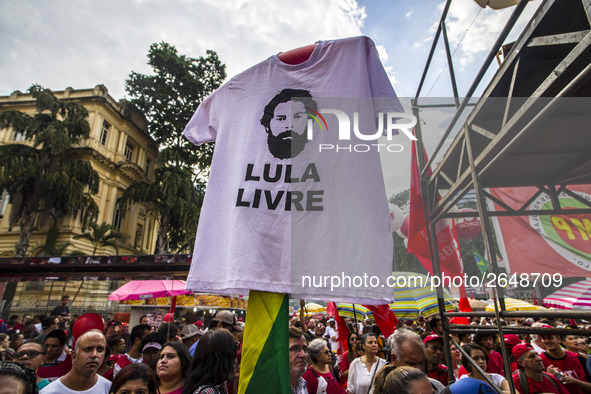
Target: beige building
x=121 y=151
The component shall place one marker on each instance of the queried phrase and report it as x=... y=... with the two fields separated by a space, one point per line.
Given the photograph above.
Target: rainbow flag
x=264 y=367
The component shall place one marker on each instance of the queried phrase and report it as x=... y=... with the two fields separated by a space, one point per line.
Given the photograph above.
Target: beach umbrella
x=413 y=295
x=312 y=308
x=477 y=305
x=512 y=304
x=574 y=296
x=141 y=289
x=346 y=310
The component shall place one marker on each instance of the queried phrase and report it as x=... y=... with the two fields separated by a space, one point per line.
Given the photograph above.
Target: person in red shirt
x=531 y=372
x=134 y=355
x=58 y=362
x=495 y=360
x=510 y=341
x=434 y=355
x=559 y=362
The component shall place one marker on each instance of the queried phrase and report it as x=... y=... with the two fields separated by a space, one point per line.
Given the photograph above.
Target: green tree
x=52 y=248
x=101 y=236
x=48 y=178
x=168 y=98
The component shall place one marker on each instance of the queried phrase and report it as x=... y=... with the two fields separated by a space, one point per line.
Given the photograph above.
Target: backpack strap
x=523 y=381
x=545 y=375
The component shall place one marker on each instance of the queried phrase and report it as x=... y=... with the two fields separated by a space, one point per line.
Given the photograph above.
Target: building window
x=117 y=216
x=148 y=163
x=104 y=133
x=19 y=136
x=128 y=150
x=3 y=203
x=138 y=236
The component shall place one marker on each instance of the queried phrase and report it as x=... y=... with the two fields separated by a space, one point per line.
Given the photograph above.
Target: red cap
x=512 y=339
x=546 y=326
x=520 y=349
x=432 y=337
x=199 y=323
x=168 y=317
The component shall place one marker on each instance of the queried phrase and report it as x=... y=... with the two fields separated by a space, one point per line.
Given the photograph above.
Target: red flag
x=342 y=332
x=331 y=309
x=384 y=317
x=450 y=259
x=533 y=296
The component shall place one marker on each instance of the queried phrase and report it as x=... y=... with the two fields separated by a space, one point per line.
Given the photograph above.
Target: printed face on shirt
x=285 y=119
x=286 y=134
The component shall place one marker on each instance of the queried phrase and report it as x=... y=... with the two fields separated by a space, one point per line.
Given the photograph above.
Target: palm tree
x=101 y=236
x=51 y=248
x=176 y=199
x=48 y=178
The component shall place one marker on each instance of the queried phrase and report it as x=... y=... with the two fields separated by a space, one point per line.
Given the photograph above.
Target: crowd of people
x=40 y=354
x=193 y=356
x=414 y=359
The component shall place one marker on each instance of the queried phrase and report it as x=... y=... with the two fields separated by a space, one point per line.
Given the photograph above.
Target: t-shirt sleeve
x=583 y=362
x=204 y=123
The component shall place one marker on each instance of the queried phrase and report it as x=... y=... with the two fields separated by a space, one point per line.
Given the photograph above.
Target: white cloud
x=409 y=14
x=82 y=44
x=382 y=53
x=476 y=29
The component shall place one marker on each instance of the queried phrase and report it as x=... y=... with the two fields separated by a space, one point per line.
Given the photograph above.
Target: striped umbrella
x=575 y=296
x=312 y=308
x=346 y=310
x=413 y=294
x=512 y=304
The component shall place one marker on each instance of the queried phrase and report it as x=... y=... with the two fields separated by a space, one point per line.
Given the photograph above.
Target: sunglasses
x=28 y=353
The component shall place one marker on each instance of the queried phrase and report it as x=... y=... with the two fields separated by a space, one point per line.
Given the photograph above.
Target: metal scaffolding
x=526 y=129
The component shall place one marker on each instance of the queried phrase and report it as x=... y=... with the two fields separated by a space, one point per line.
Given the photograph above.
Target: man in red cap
x=510 y=341
x=434 y=355
x=560 y=362
x=530 y=377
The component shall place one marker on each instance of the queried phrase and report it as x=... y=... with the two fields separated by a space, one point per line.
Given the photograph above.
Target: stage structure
x=528 y=127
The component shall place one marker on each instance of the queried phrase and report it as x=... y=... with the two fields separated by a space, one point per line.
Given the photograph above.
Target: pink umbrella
x=140 y=289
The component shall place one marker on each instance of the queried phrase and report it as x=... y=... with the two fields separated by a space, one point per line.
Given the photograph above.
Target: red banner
x=384 y=317
x=342 y=331
x=545 y=244
x=450 y=259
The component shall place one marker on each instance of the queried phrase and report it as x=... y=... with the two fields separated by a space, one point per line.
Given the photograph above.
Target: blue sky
x=66 y=43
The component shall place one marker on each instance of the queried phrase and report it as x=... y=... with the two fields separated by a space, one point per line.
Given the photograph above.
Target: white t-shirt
x=57 y=387
x=360 y=378
x=336 y=233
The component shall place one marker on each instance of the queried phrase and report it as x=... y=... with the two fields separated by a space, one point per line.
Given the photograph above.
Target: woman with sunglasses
x=364 y=368
x=320 y=375
x=351 y=354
